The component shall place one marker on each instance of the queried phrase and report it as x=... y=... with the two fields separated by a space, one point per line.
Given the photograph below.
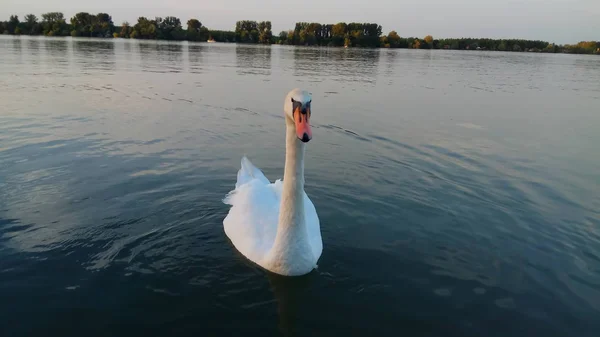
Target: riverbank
x=358 y=35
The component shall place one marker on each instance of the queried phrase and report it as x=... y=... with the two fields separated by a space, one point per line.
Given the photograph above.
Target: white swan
x=275 y=225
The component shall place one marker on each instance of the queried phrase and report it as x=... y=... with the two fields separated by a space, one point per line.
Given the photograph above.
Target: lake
x=458 y=192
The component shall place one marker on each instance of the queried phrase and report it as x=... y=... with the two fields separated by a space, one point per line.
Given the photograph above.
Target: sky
x=558 y=21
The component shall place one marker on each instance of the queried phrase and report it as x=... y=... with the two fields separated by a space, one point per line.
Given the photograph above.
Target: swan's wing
x=249 y=172
x=313 y=227
x=251 y=223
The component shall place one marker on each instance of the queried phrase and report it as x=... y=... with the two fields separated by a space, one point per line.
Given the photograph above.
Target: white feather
x=251 y=224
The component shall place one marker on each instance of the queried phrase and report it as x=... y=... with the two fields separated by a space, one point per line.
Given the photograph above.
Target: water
x=458 y=192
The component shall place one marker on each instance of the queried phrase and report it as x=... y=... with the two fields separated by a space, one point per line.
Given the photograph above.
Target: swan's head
x=298 y=110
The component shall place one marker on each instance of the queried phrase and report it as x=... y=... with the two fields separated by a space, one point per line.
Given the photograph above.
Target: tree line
x=339 y=34
x=368 y=35
x=393 y=40
x=101 y=25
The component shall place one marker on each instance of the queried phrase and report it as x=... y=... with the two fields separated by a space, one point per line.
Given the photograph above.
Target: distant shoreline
x=279 y=44
x=347 y=35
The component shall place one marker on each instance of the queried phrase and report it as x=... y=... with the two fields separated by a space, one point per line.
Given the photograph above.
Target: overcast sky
x=560 y=21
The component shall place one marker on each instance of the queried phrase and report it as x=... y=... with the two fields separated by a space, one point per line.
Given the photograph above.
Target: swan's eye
x=296 y=105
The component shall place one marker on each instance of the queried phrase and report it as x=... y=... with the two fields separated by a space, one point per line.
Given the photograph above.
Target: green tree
x=283 y=35
x=82 y=24
x=551 y=48
x=315 y=34
x=205 y=34
x=221 y=35
x=103 y=25
x=352 y=34
x=311 y=38
x=125 y=30
x=247 y=31
x=144 y=29
x=254 y=36
x=302 y=37
x=338 y=32
x=384 y=42
x=54 y=24
x=355 y=37
x=264 y=32
x=86 y=24
x=193 y=25
x=195 y=31
x=12 y=24
x=371 y=34
x=291 y=38
x=32 y=26
x=501 y=46
x=169 y=28
x=393 y=39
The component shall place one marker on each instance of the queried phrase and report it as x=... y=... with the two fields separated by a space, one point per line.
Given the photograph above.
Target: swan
x=275 y=225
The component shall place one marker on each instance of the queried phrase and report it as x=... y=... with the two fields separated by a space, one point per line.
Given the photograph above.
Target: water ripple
x=453 y=183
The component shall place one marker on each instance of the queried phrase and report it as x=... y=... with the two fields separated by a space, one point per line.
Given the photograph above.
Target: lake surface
x=458 y=192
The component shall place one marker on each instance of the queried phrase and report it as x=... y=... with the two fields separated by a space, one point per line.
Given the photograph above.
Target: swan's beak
x=302 y=121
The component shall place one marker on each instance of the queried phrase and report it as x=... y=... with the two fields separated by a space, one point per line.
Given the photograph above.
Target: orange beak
x=302 y=121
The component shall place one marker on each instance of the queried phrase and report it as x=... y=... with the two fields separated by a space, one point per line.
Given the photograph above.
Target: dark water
x=458 y=193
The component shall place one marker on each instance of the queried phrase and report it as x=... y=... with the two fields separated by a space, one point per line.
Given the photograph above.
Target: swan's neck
x=291 y=242
x=291 y=214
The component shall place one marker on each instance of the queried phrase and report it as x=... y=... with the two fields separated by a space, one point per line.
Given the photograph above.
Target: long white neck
x=291 y=212
x=291 y=242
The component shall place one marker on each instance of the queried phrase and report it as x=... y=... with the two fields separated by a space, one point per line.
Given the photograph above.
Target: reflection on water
x=14 y=42
x=253 y=60
x=147 y=53
x=290 y=293
x=194 y=52
x=35 y=44
x=362 y=64
x=57 y=52
x=343 y=65
x=170 y=56
x=91 y=55
x=161 y=56
x=457 y=191
x=59 y=47
x=390 y=62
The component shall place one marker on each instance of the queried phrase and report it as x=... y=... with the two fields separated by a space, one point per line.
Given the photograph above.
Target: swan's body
x=275 y=225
